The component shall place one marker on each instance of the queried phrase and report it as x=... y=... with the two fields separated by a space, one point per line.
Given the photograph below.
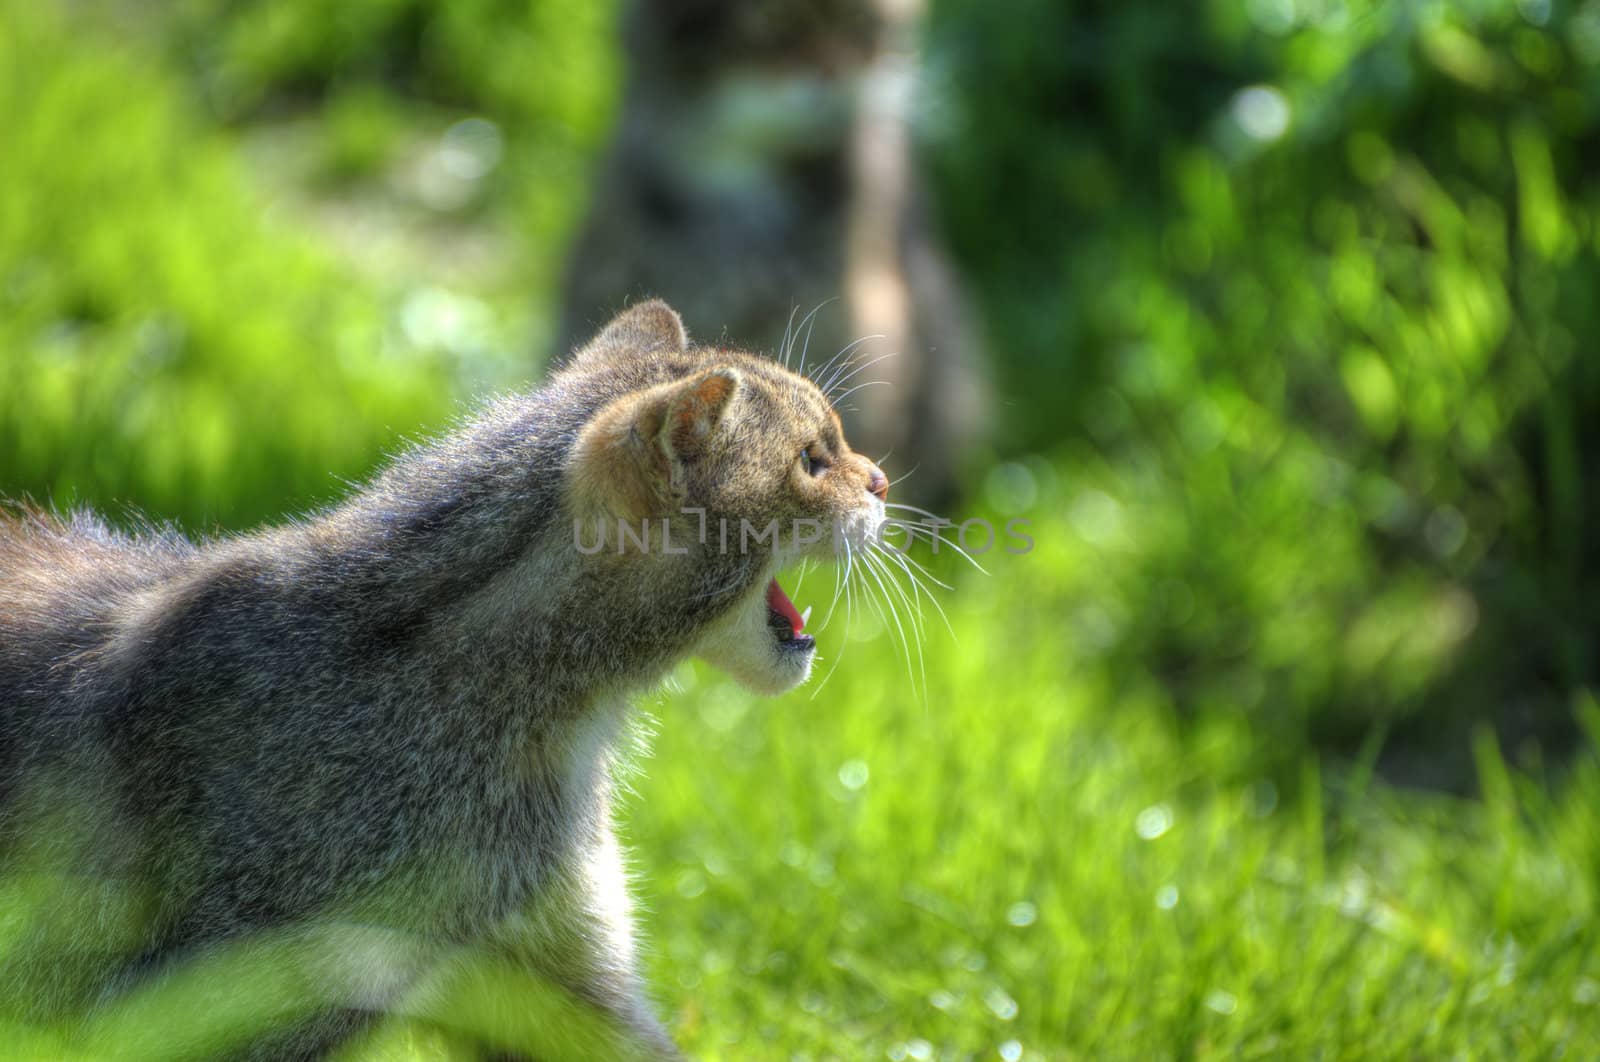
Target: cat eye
x=810 y=464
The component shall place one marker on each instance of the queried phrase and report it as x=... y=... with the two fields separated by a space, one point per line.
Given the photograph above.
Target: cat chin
x=769 y=678
x=743 y=645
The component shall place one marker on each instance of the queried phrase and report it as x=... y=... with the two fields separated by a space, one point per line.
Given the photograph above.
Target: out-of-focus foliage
x=381 y=79
x=170 y=348
x=1306 y=287
x=164 y=347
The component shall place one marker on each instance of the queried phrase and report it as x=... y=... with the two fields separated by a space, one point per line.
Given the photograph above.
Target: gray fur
x=402 y=712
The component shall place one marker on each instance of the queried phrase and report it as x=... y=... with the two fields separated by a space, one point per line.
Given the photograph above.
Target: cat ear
x=630 y=460
x=649 y=327
x=694 y=411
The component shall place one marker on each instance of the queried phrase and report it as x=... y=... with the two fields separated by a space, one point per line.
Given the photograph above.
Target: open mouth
x=786 y=621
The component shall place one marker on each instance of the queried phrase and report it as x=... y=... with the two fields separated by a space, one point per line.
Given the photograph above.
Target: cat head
x=730 y=458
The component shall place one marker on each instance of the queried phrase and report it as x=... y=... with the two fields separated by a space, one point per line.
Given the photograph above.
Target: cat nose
x=877 y=482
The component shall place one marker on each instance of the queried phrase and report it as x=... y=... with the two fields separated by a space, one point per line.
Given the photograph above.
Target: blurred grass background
x=1281 y=742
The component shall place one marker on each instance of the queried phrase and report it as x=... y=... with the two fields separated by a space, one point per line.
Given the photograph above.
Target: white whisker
x=835 y=367
x=794 y=336
x=840 y=579
x=915 y=509
x=811 y=324
x=906 y=564
x=905 y=556
x=859 y=386
x=837 y=380
x=934 y=531
x=870 y=567
x=849 y=617
x=903 y=476
x=817 y=374
x=783 y=347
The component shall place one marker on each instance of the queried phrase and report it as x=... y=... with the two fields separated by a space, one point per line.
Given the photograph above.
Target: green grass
x=1042 y=857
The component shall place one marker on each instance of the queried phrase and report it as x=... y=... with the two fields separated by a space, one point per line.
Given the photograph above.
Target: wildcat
x=383 y=737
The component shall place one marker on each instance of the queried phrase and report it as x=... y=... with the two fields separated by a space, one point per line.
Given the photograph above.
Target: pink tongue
x=779 y=602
